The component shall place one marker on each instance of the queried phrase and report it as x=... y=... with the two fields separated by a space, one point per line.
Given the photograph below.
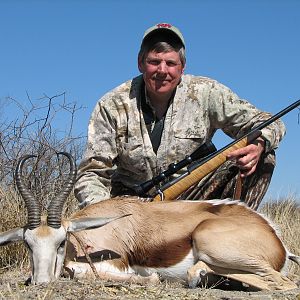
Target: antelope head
x=46 y=237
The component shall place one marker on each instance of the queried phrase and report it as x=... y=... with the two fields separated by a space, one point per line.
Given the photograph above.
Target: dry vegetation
x=285 y=214
x=33 y=133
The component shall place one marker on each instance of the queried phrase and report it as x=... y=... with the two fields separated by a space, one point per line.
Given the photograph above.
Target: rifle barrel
x=278 y=115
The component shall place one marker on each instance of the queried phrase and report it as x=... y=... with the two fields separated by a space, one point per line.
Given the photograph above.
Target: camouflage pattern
x=119 y=152
x=220 y=184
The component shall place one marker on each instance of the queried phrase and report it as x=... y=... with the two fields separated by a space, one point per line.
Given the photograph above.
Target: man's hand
x=247 y=158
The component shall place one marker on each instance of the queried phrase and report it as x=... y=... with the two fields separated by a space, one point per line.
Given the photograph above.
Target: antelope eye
x=62 y=244
x=27 y=245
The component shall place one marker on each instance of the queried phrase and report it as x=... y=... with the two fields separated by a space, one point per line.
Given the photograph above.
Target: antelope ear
x=10 y=236
x=90 y=223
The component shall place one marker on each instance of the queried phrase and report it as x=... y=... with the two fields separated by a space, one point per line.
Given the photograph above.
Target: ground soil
x=12 y=287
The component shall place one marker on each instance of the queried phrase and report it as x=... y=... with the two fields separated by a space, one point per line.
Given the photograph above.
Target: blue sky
x=85 y=48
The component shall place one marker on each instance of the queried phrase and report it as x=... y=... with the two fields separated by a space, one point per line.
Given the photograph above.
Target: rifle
x=172 y=189
x=201 y=152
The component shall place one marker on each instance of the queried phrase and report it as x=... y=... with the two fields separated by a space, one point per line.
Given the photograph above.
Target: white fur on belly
x=175 y=272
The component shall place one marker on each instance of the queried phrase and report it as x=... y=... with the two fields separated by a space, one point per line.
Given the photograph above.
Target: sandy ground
x=12 y=287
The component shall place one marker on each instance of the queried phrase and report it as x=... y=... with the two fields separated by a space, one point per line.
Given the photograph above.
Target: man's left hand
x=248 y=157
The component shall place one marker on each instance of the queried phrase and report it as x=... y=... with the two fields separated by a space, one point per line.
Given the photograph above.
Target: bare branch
x=34 y=127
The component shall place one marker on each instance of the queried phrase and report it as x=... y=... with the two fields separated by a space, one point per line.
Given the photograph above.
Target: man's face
x=162 y=72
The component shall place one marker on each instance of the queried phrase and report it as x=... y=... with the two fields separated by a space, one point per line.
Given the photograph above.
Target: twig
x=88 y=258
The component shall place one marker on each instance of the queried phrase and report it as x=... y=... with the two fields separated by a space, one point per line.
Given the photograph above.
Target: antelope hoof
x=195 y=279
x=194 y=283
x=68 y=273
x=28 y=281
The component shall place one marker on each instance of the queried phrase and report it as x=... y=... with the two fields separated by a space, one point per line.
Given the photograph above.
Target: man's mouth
x=161 y=80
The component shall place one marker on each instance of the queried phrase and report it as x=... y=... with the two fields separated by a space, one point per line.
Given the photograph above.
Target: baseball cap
x=165 y=27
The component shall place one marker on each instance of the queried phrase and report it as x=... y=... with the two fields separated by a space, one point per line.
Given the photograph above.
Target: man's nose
x=162 y=67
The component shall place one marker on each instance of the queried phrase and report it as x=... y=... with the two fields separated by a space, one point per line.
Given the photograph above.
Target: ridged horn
x=56 y=205
x=32 y=205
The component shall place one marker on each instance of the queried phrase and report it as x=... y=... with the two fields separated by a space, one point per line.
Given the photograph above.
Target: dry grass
x=12 y=214
x=285 y=214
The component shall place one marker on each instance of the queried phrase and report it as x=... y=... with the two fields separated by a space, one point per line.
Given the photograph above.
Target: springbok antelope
x=144 y=241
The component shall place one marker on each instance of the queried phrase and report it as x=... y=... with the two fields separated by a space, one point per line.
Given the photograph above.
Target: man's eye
x=171 y=64
x=153 y=62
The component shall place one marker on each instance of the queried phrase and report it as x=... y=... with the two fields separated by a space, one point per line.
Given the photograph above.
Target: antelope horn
x=32 y=205
x=56 y=205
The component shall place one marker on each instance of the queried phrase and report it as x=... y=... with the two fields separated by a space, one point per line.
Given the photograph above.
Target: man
x=138 y=129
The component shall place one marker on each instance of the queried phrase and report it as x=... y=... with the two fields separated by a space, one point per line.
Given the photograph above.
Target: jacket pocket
x=131 y=157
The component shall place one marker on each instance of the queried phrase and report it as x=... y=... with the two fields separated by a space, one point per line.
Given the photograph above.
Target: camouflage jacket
x=119 y=152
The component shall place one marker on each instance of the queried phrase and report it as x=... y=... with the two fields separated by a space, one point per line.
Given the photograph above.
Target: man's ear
x=182 y=71
x=141 y=65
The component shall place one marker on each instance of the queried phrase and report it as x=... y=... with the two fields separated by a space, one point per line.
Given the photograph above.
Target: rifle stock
x=175 y=188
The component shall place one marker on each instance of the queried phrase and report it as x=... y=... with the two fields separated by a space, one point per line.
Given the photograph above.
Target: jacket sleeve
x=97 y=166
x=237 y=117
